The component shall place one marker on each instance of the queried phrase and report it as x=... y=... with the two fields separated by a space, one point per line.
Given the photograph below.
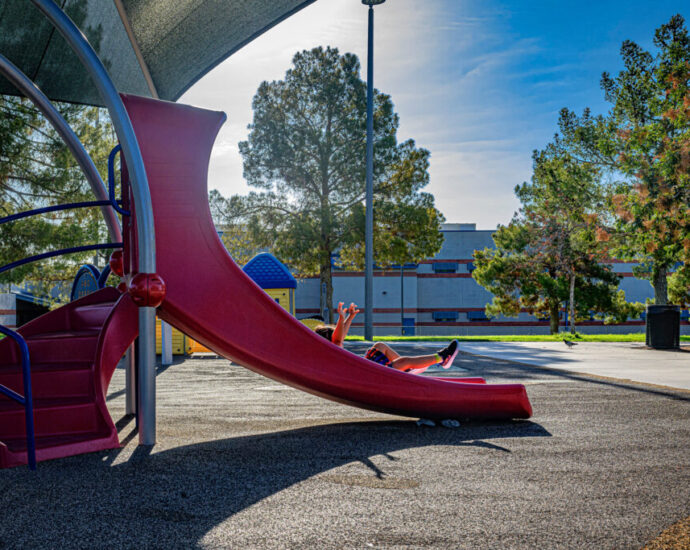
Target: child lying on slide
x=382 y=353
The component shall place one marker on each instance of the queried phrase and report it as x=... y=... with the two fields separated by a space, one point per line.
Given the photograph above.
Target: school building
x=438 y=296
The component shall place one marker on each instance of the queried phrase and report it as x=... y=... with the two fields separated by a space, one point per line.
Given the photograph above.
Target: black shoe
x=448 y=354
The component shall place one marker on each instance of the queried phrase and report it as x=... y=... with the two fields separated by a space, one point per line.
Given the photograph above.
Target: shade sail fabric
x=179 y=40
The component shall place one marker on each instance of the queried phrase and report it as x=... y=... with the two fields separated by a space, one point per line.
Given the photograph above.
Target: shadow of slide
x=175 y=497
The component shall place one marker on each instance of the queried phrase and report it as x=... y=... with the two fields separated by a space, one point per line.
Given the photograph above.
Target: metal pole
x=369 y=216
x=166 y=344
x=26 y=86
x=130 y=380
x=146 y=377
x=142 y=201
x=402 y=301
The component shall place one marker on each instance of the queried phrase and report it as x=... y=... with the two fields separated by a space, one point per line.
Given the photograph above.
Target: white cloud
x=448 y=72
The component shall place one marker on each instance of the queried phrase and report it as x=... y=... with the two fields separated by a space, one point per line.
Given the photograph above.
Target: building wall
x=8 y=310
x=429 y=291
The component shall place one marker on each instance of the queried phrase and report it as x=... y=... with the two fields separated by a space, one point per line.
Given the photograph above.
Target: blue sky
x=478 y=83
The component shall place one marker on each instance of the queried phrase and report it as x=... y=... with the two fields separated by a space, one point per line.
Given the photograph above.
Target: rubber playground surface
x=244 y=462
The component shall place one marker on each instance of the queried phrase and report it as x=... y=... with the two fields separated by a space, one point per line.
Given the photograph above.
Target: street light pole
x=369 y=199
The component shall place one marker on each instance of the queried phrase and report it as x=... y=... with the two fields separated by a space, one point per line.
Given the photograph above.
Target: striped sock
x=439 y=359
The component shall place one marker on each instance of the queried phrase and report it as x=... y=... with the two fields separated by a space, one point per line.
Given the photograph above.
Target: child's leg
x=417 y=362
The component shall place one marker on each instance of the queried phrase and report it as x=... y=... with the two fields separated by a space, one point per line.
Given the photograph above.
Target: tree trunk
x=572 y=303
x=554 y=306
x=660 y=283
x=326 y=278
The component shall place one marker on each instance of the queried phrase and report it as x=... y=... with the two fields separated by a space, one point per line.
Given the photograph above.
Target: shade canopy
x=150 y=47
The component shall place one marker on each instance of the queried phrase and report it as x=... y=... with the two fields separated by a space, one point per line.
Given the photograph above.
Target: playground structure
x=69 y=354
x=266 y=271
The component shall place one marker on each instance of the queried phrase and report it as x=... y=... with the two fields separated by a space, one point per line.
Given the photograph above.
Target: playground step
x=70 y=414
x=51 y=416
x=51 y=380
x=53 y=347
x=91 y=316
x=13 y=451
x=62 y=346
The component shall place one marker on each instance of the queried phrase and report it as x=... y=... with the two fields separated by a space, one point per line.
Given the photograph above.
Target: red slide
x=210 y=298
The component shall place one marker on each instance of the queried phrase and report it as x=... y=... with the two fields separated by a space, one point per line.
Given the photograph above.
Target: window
x=445 y=267
x=445 y=316
x=477 y=316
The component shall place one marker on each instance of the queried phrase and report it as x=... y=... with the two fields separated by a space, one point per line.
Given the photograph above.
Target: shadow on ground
x=175 y=497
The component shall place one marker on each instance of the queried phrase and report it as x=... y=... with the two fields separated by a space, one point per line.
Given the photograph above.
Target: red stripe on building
x=444 y=276
x=464 y=261
x=8 y=311
x=458 y=309
x=376 y=274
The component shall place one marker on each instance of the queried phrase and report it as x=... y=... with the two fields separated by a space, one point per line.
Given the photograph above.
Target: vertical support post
x=146 y=377
x=369 y=214
x=142 y=202
x=166 y=344
x=130 y=380
x=402 y=300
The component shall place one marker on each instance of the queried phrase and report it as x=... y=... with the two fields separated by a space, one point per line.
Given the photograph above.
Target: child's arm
x=352 y=311
x=340 y=330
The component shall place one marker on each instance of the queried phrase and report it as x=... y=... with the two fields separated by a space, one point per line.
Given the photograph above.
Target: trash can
x=663 y=327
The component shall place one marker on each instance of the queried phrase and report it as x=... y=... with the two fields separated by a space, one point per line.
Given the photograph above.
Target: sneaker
x=448 y=354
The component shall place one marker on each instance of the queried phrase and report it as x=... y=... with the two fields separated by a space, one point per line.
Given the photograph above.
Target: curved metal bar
x=111 y=181
x=25 y=85
x=103 y=277
x=123 y=127
x=55 y=208
x=142 y=203
x=60 y=252
x=27 y=399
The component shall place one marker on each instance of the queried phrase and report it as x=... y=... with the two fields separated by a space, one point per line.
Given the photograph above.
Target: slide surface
x=211 y=299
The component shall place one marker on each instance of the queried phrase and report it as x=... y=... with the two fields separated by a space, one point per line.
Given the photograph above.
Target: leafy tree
x=231 y=223
x=679 y=286
x=549 y=252
x=645 y=141
x=36 y=170
x=306 y=154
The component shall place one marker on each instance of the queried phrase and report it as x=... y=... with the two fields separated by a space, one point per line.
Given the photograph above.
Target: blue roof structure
x=268 y=272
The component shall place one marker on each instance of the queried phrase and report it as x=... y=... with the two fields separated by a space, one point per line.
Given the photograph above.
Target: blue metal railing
x=56 y=208
x=111 y=181
x=60 y=252
x=26 y=399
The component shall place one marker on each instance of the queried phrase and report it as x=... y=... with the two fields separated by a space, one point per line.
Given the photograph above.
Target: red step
x=54 y=347
x=73 y=351
x=51 y=380
x=90 y=316
x=51 y=417
x=13 y=451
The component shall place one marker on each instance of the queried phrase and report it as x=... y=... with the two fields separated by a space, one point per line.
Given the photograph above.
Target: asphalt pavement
x=244 y=462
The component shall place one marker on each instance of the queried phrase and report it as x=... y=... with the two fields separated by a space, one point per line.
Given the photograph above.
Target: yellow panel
x=196 y=347
x=311 y=323
x=179 y=340
x=282 y=297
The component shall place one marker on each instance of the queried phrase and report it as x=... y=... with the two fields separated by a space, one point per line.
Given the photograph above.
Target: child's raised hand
x=352 y=310
x=341 y=310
